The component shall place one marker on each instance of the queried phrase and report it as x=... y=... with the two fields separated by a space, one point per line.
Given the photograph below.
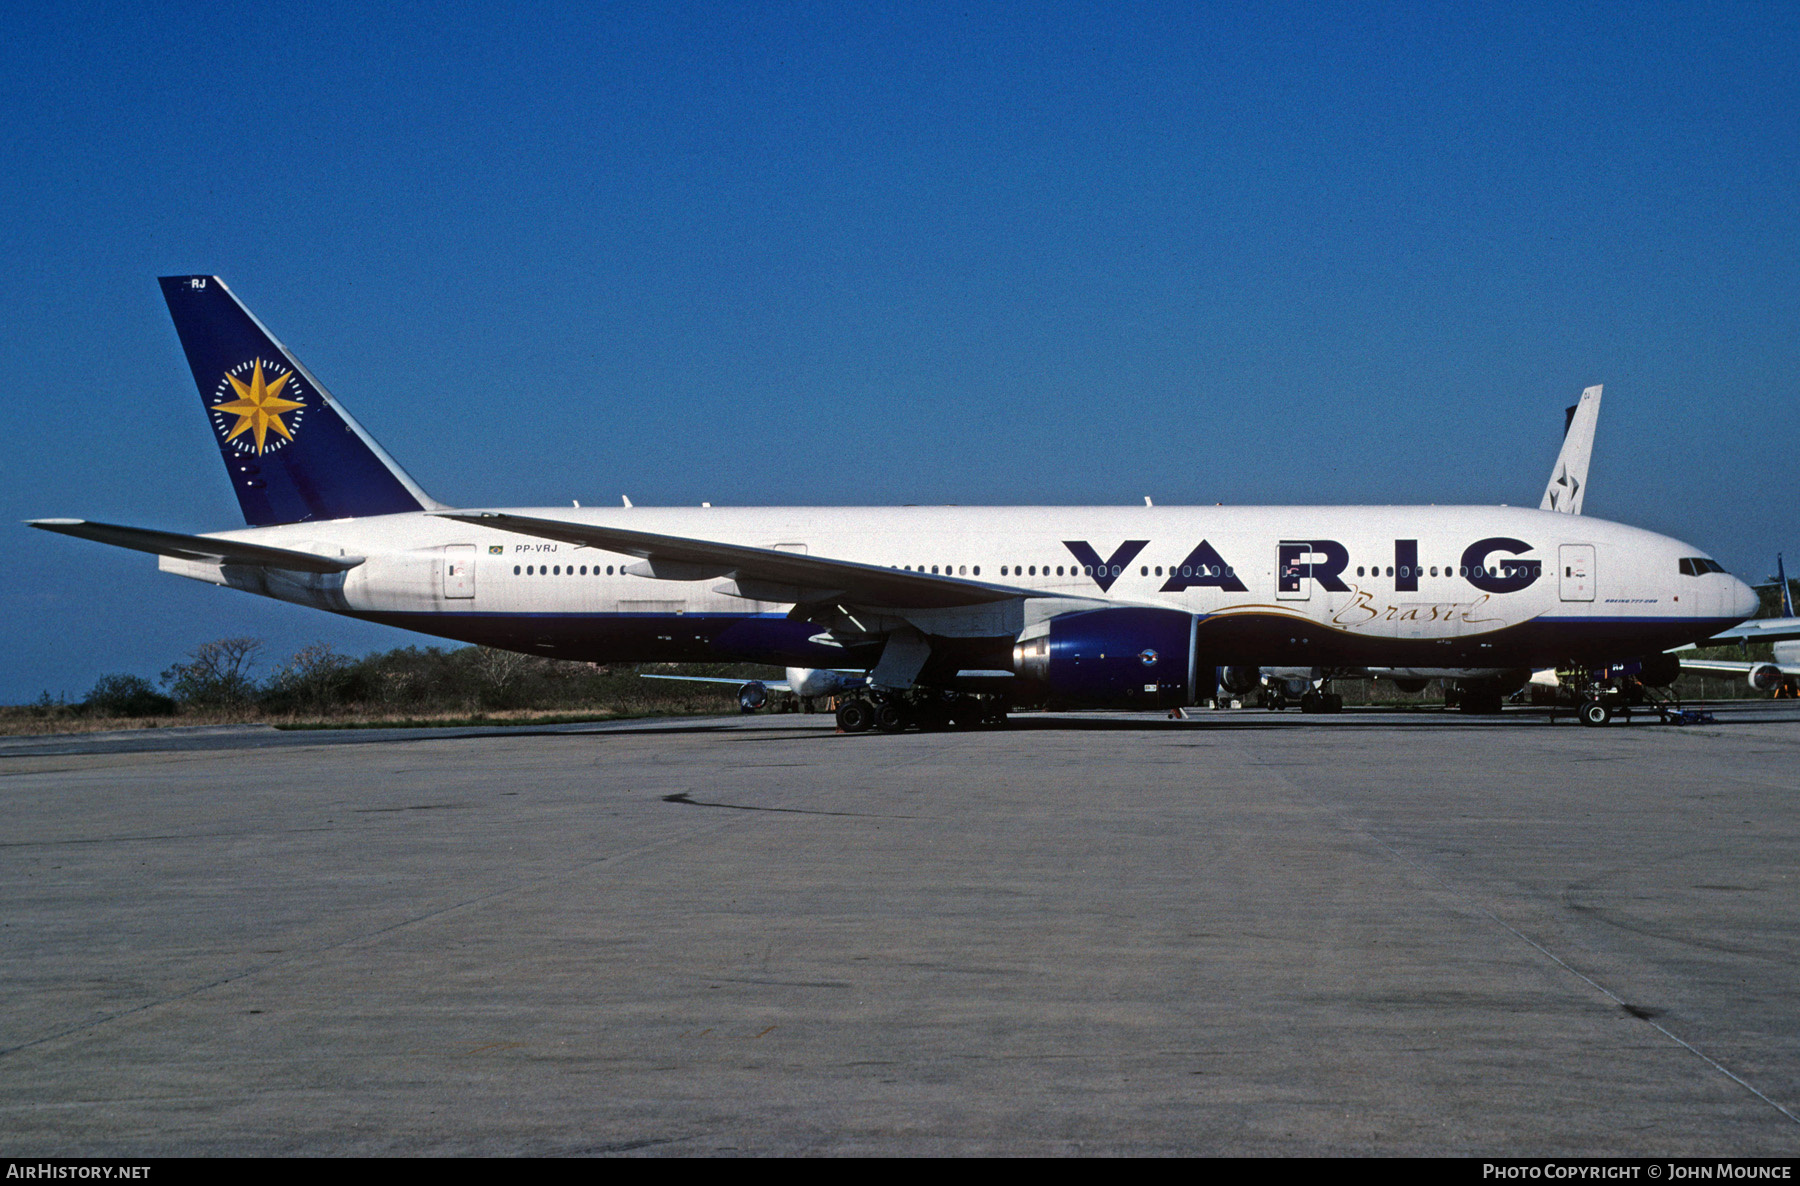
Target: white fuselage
x=1405 y=586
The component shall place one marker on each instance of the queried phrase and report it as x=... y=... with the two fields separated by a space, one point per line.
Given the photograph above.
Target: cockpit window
x=1693 y=566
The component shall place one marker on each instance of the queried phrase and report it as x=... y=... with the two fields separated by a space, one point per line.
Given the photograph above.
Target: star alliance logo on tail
x=268 y=407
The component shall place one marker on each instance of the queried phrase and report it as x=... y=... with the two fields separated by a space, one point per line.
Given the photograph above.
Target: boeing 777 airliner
x=955 y=613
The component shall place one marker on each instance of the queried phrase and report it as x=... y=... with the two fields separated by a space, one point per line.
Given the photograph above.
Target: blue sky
x=894 y=254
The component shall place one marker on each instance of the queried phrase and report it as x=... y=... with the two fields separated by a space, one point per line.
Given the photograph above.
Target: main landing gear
x=924 y=708
x=1311 y=700
x=1321 y=702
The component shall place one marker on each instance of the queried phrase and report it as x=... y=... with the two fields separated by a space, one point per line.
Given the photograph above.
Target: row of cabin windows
x=1189 y=570
x=1689 y=567
x=558 y=570
x=1531 y=568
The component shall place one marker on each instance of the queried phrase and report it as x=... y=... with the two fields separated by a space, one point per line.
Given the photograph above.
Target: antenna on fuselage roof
x=626 y=499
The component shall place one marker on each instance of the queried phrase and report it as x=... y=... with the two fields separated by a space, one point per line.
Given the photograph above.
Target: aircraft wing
x=1759 y=630
x=778 y=685
x=763 y=574
x=1735 y=666
x=197 y=547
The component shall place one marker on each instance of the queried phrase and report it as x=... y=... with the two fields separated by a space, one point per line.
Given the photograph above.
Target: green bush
x=127 y=696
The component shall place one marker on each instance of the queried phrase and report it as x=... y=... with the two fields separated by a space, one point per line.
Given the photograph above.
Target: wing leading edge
x=761 y=574
x=196 y=547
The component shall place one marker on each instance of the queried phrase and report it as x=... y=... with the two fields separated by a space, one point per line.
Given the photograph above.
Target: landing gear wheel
x=855 y=716
x=1334 y=702
x=1310 y=702
x=1596 y=712
x=891 y=717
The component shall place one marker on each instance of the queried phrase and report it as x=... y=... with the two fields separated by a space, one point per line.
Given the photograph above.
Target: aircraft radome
x=955 y=613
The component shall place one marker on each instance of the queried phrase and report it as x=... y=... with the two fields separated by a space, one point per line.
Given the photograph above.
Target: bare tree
x=500 y=668
x=313 y=676
x=217 y=673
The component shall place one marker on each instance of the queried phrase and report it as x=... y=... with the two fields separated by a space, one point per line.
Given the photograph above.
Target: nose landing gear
x=1602 y=697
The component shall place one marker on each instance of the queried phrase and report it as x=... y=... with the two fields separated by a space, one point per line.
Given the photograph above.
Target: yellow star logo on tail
x=258 y=407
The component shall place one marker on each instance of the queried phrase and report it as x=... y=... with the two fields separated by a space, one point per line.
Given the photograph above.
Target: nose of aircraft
x=1740 y=600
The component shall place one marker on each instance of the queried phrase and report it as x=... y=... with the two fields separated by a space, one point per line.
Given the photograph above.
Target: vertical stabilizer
x=1568 y=480
x=293 y=453
x=1787 y=594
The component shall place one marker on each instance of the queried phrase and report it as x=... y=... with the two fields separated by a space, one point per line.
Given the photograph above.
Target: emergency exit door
x=458 y=568
x=1577 y=562
x=1293 y=570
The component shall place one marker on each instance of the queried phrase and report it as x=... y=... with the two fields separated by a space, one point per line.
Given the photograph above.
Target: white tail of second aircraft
x=1568 y=481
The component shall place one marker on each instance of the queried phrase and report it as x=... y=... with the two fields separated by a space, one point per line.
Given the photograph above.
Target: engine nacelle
x=1765 y=677
x=753 y=696
x=1412 y=687
x=1240 y=681
x=1112 y=658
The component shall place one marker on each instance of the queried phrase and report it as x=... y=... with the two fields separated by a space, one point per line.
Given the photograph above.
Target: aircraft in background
x=805 y=684
x=1782 y=676
x=955 y=613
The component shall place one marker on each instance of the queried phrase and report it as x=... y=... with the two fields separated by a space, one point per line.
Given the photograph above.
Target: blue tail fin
x=293 y=453
x=1787 y=594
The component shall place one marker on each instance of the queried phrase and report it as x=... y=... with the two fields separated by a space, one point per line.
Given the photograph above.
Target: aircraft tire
x=855 y=715
x=1596 y=713
x=892 y=717
x=1334 y=702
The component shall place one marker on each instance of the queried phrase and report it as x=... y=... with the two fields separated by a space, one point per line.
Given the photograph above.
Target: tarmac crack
x=682 y=798
x=1640 y=1012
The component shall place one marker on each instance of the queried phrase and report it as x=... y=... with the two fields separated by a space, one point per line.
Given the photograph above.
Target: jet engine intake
x=1765 y=677
x=753 y=696
x=1240 y=681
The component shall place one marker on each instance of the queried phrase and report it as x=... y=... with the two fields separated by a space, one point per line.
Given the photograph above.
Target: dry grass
x=32 y=720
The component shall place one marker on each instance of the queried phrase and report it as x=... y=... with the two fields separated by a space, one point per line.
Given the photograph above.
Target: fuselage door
x=1577 y=562
x=1293 y=570
x=457 y=566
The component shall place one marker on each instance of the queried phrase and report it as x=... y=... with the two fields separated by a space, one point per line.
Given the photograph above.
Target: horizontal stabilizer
x=865 y=584
x=197 y=547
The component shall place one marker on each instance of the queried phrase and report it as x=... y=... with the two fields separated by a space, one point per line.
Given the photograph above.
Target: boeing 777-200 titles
x=955 y=613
